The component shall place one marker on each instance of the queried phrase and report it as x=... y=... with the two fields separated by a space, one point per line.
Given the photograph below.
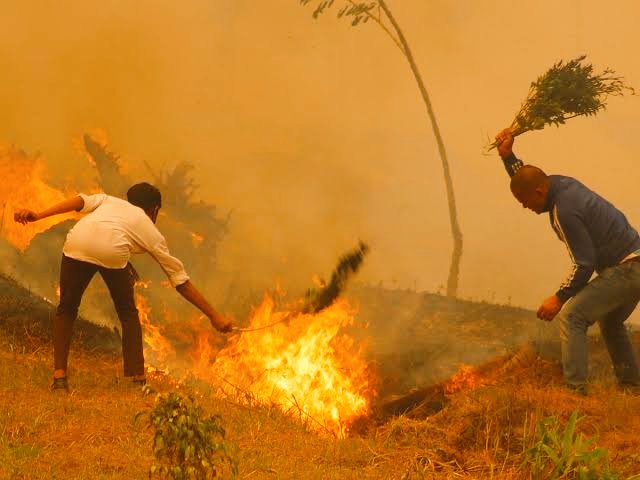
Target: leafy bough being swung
x=317 y=300
x=567 y=90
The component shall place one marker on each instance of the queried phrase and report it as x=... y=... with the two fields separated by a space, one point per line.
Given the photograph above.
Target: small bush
x=186 y=445
x=559 y=454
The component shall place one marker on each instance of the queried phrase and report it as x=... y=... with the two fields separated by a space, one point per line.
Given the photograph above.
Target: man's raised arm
x=73 y=204
x=504 y=142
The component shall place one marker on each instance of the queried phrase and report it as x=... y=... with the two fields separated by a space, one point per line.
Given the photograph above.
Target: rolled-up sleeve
x=151 y=240
x=91 y=202
x=173 y=268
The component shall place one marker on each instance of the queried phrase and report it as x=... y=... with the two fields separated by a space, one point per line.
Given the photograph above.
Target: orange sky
x=314 y=133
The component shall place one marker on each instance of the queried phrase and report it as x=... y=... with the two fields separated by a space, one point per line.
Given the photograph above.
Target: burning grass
x=480 y=432
x=303 y=363
x=477 y=423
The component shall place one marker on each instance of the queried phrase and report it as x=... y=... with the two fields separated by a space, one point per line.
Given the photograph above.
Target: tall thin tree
x=379 y=12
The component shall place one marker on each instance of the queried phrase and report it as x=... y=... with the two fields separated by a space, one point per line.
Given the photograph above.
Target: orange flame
x=23 y=186
x=306 y=366
x=467 y=378
x=196 y=239
x=159 y=349
x=303 y=363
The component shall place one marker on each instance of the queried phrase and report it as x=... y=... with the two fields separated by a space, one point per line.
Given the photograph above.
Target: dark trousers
x=75 y=276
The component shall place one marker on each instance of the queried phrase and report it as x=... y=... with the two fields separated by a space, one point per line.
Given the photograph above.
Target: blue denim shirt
x=596 y=233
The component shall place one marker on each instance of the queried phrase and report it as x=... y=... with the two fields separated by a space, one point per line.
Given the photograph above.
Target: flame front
x=23 y=186
x=305 y=365
x=467 y=378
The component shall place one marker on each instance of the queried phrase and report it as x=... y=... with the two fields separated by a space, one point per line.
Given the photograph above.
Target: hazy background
x=314 y=132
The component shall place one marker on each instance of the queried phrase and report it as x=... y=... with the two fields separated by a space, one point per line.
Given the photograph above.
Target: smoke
x=313 y=134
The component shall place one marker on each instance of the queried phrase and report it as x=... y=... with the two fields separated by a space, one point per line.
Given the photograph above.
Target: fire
x=467 y=378
x=23 y=186
x=304 y=365
x=196 y=239
x=159 y=349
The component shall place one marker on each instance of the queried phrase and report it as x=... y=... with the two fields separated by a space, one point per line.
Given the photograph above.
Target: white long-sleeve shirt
x=113 y=230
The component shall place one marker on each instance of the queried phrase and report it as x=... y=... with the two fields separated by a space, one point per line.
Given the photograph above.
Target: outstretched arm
x=193 y=295
x=504 y=142
x=72 y=204
x=151 y=240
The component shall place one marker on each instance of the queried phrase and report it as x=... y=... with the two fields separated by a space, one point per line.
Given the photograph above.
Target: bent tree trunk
x=454 y=269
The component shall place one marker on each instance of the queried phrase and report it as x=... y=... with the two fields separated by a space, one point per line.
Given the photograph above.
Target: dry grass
x=481 y=433
x=90 y=433
x=86 y=434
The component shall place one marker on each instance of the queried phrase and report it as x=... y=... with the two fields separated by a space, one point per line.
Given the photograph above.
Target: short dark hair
x=145 y=196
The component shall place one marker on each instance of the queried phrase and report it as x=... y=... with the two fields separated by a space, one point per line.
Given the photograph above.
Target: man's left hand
x=549 y=308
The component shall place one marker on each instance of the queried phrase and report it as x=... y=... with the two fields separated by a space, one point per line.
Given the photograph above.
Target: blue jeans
x=608 y=299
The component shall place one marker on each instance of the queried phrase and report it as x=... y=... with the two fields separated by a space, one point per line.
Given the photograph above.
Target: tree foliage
x=356 y=12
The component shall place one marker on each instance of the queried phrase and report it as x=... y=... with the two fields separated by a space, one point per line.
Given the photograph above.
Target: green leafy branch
x=358 y=13
x=187 y=445
x=348 y=265
x=567 y=90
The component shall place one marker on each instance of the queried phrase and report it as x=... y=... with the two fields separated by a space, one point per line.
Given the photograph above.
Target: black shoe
x=579 y=389
x=60 y=384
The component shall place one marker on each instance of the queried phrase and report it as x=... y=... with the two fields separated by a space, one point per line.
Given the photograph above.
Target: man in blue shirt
x=599 y=239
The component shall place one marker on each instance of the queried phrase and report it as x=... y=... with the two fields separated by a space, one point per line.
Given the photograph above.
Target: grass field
x=480 y=429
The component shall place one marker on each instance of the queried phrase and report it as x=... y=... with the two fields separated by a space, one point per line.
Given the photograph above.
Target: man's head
x=147 y=197
x=530 y=186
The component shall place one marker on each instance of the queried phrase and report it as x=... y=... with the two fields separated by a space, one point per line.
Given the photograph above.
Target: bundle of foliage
x=567 y=90
x=558 y=454
x=187 y=445
x=348 y=265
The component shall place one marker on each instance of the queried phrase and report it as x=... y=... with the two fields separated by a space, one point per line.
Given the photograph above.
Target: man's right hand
x=221 y=324
x=504 y=142
x=193 y=295
x=25 y=216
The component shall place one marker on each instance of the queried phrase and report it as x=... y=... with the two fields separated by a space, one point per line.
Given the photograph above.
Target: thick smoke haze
x=313 y=133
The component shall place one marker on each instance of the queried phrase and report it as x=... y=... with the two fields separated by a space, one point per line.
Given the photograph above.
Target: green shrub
x=186 y=445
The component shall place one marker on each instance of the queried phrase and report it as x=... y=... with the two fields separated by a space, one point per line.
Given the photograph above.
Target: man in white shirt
x=103 y=242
